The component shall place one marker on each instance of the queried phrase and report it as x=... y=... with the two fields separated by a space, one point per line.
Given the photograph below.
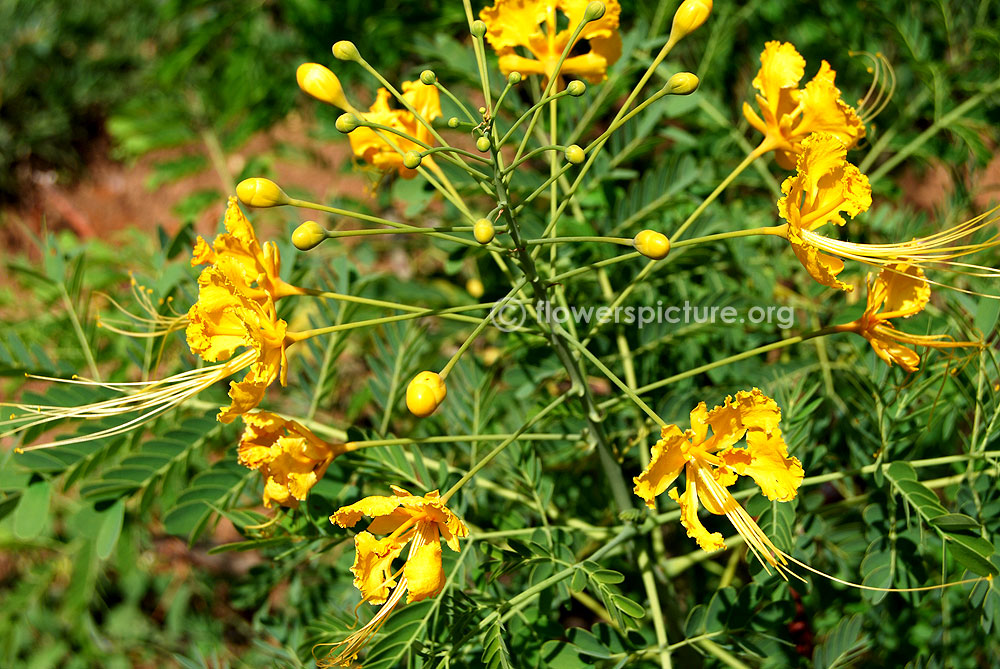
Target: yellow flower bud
x=478 y=28
x=689 y=17
x=483 y=231
x=411 y=160
x=474 y=287
x=258 y=192
x=345 y=50
x=514 y=78
x=425 y=394
x=574 y=154
x=308 y=236
x=682 y=83
x=322 y=84
x=576 y=88
x=453 y=122
x=652 y=244
x=427 y=77
x=594 y=11
x=346 y=123
x=483 y=144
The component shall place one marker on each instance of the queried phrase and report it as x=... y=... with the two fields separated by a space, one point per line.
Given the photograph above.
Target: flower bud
x=478 y=28
x=427 y=77
x=346 y=123
x=425 y=393
x=322 y=84
x=411 y=160
x=652 y=244
x=682 y=83
x=453 y=122
x=483 y=144
x=345 y=50
x=258 y=192
x=574 y=154
x=308 y=236
x=576 y=88
x=514 y=78
x=594 y=11
x=688 y=18
x=483 y=231
x=474 y=287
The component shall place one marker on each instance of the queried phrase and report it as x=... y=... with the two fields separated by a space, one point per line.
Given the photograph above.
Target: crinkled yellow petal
x=906 y=290
x=372 y=506
x=823 y=111
x=766 y=460
x=709 y=541
x=664 y=466
x=202 y=253
x=822 y=267
x=424 y=573
x=699 y=423
x=781 y=68
x=372 y=567
x=274 y=491
x=892 y=351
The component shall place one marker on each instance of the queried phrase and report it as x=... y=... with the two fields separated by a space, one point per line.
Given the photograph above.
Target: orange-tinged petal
x=823 y=267
x=372 y=506
x=372 y=567
x=709 y=541
x=892 y=351
x=699 y=423
x=907 y=292
x=424 y=573
x=664 y=466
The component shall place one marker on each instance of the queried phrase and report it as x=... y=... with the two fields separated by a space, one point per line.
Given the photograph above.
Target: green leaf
x=628 y=607
x=842 y=646
x=971 y=559
x=110 y=530
x=951 y=522
x=32 y=512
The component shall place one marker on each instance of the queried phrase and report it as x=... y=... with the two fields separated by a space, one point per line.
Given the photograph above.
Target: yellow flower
x=790 y=114
x=899 y=291
x=824 y=186
x=224 y=319
x=374 y=150
x=260 y=265
x=291 y=458
x=533 y=25
x=421 y=521
x=712 y=464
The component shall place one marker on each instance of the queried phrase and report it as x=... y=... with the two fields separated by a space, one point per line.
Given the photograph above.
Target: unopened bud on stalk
x=514 y=78
x=411 y=160
x=652 y=244
x=475 y=288
x=478 y=28
x=483 y=231
x=453 y=122
x=321 y=83
x=346 y=123
x=594 y=11
x=682 y=83
x=258 y=192
x=345 y=50
x=688 y=18
x=427 y=77
x=308 y=236
x=425 y=393
x=576 y=88
x=483 y=144
x=574 y=154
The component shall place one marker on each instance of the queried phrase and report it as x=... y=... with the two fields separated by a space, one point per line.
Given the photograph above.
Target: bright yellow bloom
x=824 y=186
x=406 y=518
x=790 y=114
x=374 y=150
x=260 y=265
x=224 y=319
x=899 y=291
x=712 y=464
x=533 y=25
x=291 y=458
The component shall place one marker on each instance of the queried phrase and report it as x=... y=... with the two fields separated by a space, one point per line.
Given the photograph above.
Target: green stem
x=479 y=328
